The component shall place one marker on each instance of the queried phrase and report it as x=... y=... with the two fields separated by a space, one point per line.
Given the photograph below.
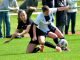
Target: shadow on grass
x=12 y=54
x=26 y=53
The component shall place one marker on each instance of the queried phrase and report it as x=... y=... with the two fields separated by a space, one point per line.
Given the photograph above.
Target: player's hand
x=18 y=34
x=33 y=8
x=58 y=49
x=34 y=38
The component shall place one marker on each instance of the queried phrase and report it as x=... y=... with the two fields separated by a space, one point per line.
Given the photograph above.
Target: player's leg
x=48 y=44
x=61 y=36
x=41 y=40
x=58 y=33
x=32 y=47
x=53 y=36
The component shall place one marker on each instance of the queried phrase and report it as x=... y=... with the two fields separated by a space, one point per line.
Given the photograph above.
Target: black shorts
x=38 y=33
x=52 y=30
x=34 y=42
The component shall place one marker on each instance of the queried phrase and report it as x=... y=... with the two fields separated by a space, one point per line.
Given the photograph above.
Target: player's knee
x=41 y=39
x=42 y=42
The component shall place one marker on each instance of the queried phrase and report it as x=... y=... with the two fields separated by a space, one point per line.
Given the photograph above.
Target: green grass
x=16 y=50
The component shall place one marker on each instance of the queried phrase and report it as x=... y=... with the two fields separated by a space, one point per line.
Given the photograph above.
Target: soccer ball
x=63 y=43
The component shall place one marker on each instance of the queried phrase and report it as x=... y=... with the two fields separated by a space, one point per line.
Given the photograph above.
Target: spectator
x=49 y=3
x=7 y=5
x=29 y=6
x=71 y=15
x=60 y=15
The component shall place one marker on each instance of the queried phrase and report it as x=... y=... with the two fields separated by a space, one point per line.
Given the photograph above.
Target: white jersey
x=41 y=22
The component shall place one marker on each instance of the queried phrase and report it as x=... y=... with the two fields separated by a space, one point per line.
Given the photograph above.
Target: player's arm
x=63 y=8
x=32 y=8
x=54 y=10
x=12 y=37
x=34 y=33
x=25 y=31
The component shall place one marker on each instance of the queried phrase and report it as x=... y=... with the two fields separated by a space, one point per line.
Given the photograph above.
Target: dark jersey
x=22 y=25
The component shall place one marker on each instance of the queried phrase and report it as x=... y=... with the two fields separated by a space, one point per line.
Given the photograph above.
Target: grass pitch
x=16 y=49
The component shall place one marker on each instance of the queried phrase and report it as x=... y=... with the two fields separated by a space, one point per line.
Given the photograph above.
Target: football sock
x=48 y=44
x=56 y=40
x=62 y=38
x=36 y=50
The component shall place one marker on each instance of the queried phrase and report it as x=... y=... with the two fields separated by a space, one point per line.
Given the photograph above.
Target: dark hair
x=19 y=12
x=45 y=8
